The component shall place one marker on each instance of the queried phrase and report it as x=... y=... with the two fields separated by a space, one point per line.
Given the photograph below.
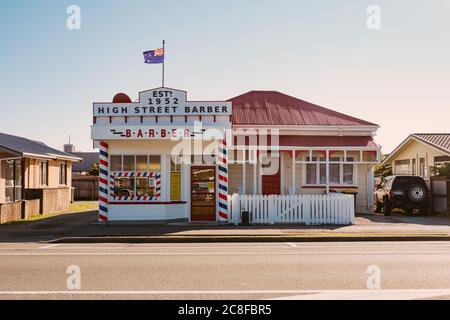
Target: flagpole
x=164 y=58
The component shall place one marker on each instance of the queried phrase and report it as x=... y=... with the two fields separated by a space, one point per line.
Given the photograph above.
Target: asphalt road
x=408 y=270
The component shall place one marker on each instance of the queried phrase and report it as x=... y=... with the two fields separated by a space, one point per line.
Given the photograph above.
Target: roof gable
x=26 y=147
x=276 y=108
x=439 y=141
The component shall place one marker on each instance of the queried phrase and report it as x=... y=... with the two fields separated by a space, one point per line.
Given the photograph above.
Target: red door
x=271 y=184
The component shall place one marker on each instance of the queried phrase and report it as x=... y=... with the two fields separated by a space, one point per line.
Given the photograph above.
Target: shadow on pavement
x=84 y=224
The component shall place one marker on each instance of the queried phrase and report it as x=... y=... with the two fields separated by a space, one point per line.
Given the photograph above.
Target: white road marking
x=256 y=245
x=216 y=253
x=50 y=246
x=395 y=294
x=162 y=247
x=291 y=244
x=370 y=295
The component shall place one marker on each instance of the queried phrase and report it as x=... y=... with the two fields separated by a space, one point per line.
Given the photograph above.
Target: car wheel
x=417 y=193
x=387 y=207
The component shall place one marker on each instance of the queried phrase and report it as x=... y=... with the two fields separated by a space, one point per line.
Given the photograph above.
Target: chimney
x=69 y=148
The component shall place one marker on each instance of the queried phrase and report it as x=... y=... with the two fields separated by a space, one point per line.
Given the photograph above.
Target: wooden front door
x=271 y=184
x=203 y=193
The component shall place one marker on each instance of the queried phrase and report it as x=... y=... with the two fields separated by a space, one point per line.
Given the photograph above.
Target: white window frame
x=112 y=172
x=342 y=161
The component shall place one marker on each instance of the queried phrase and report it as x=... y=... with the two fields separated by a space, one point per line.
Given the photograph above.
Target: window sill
x=331 y=187
x=147 y=203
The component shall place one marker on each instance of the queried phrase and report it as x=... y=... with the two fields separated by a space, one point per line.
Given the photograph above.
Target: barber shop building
x=167 y=159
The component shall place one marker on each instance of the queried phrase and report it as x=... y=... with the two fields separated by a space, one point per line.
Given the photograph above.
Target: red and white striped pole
x=223 y=180
x=103 y=183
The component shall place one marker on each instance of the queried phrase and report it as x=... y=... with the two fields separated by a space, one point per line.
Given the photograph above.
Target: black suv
x=404 y=192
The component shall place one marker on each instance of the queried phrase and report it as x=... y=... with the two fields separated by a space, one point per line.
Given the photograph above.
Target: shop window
x=175 y=179
x=145 y=187
x=155 y=163
x=124 y=187
x=142 y=163
x=340 y=173
x=311 y=176
x=63 y=173
x=139 y=179
x=11 y=170
x=335 y=174
x=311 y=171
x=128 y=163
x=348 y=174
x=139 y=186
x=43 y=173
x=116 y=163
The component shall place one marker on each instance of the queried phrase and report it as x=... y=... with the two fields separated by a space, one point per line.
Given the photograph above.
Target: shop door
x=203 y=193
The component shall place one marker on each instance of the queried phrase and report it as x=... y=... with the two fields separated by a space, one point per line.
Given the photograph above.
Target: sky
x=321 y=51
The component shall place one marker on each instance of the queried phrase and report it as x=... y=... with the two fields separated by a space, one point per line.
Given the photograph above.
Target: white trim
x=244 y=182
x=281 y=169
x=310 y=127
x=294 y=182
x=255 y=178
x=328 y=185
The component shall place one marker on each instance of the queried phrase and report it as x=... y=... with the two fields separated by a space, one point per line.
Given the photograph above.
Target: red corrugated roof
x=276 y=108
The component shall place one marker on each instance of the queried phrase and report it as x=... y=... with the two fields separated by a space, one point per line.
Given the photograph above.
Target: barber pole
x=223 y=181
x=103 y=183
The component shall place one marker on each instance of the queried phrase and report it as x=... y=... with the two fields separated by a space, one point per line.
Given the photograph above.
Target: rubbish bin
x=245 y=218
x=352 y=192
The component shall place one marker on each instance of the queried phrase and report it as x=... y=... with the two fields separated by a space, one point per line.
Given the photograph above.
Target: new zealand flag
x=154 y=56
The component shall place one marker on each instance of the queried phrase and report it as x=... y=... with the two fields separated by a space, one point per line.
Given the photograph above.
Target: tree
x=442 y=170
x=94 y=170
x=382 y=170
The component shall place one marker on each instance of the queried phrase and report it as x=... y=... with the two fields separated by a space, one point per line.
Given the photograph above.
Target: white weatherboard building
x=165 y=158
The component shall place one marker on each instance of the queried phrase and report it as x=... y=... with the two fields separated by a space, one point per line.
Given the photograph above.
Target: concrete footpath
x=81 y=227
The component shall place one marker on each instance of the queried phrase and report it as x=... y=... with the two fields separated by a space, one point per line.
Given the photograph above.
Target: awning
x=314 y=141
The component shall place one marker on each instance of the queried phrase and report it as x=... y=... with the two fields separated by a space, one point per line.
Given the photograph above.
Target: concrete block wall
x=52 y=199
x=55 y=199
x=10 y=211
x=31 y=208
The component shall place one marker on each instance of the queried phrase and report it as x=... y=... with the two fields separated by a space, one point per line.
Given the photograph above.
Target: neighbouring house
x=88 y=159
x=418 y=153
x=164 y=158
x=34 y=178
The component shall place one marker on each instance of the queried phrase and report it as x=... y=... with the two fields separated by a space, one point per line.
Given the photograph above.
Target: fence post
x=235 y=208
x=307 y=209
x=352 y=210
x=271 y=209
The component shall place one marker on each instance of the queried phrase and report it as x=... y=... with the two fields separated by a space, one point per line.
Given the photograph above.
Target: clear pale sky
x=320 y=51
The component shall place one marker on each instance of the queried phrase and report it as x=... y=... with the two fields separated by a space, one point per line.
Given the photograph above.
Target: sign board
x=175 y=186
x=163 y=102
x=155 y=132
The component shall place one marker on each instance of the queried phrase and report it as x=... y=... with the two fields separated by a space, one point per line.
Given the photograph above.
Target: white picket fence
x=337 y=209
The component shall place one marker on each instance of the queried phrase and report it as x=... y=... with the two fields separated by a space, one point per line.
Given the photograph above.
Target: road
x=408 y=270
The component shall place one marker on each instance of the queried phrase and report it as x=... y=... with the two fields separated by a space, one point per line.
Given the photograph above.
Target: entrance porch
x=303 y=170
